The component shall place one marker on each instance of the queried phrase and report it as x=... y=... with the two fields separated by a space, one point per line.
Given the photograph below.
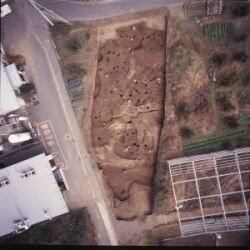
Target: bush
x=26 y=88
x=201 y=101
x=227 y=79
x=75 y=44
x=219 y=59
x=244 y=98
x=225 y=104
x=60 y=28
x=182 y=109
x=246 y=79
x=240 y=10
x=240 y=38
x=226 y=144
x=75 y=71
x=240 y=56
x=231 y=121
x=186 y=132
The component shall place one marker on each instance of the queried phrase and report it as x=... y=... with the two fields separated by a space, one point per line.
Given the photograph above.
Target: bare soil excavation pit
x=127 y=113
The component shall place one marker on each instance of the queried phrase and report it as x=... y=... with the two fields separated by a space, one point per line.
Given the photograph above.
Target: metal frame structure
x=223 y=163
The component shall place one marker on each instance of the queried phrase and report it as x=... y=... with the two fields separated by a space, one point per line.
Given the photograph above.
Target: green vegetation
x=202 y=101
x=75 y=44
x=26 y=88
x=224 y=102
x=160 y=192
x=182 y=110
x=245 y=80
x=226 y=80
x=240 y=56
x=240 y=38
x=243 y=97
x=60 y=28
x=240 y=10
x=186 y=132
x=74 y=71
x=219 y=59
x=230 y=121
x=233 y=133
x=219 y=31
x=74 y=228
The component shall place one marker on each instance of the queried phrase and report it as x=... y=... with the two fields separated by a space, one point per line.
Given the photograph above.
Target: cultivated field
x=207 y=104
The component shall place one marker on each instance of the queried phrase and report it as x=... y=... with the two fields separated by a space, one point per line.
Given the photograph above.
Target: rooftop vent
x=4 y=181
x=28 y=172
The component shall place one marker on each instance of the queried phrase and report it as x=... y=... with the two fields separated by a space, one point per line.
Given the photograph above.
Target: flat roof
x=8 y=99
x=35 y=198
x=13 y=75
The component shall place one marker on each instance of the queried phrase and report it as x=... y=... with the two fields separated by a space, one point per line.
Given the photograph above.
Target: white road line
x=64 y=109
x=109 y=228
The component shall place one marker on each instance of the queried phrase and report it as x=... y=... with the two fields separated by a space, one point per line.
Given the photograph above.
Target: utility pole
x=43 y=11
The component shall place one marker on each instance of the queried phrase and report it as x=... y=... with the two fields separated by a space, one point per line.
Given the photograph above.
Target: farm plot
x=220 y=201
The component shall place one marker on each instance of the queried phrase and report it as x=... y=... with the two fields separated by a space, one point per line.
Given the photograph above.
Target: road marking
x=58 y=144
x=109 y=226
x=64 y=110
x=50 y=143
x=42 y=139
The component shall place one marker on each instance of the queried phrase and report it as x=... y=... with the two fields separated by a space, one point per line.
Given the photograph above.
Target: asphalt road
x=73 y=10
x=25 y=32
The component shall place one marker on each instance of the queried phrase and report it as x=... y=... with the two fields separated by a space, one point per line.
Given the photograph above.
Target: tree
x=226 y=144
x=226 y=80
x=225 y=104
x=75 y=71
x=186 y=132
x=240 y=10
x=219 y=59
x=26 y=88
x=231 y=121
x=240 y=56
x=246 y=79
x=182 y=109
x=75 y=44
x=240 y=38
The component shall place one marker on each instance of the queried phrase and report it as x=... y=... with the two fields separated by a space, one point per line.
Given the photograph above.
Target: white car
x=5 y=8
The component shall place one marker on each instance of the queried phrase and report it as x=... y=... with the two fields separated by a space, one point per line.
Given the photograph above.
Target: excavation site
x=128 y=111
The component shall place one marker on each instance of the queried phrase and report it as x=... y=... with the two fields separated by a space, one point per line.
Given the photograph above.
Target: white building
x=29 y=194
x=5 y=8
x=8 y=99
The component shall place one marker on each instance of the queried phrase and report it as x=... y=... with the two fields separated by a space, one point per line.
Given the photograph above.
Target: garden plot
x=215 y=203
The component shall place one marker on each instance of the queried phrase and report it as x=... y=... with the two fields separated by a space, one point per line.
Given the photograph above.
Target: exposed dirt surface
x=127 y=112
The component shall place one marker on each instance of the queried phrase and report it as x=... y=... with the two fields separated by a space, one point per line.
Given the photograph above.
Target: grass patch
x=74 y=228
x=60 y=29
x=222 y=139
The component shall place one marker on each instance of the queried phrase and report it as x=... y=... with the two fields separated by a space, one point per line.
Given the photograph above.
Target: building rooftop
x=8 y=98
x=13 y=76
x=29 y=194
